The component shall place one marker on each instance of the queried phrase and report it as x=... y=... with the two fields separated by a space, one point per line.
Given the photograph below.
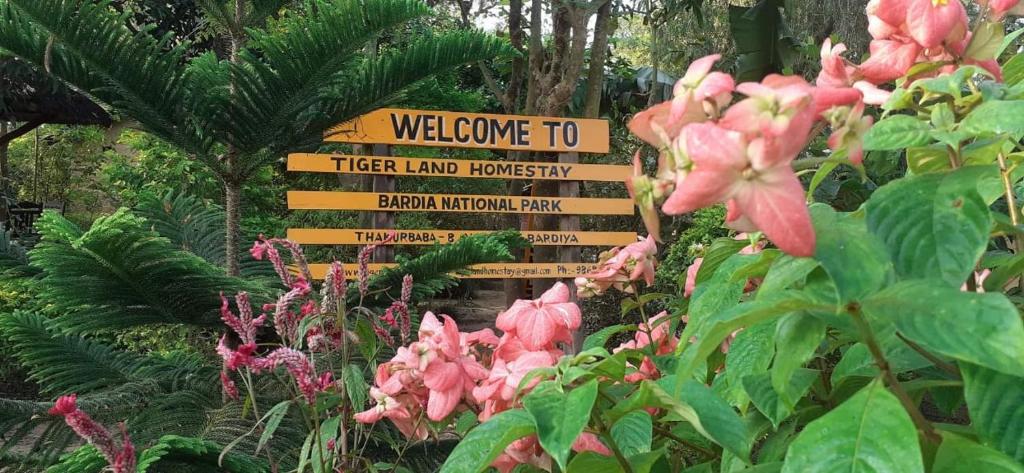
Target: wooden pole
x=383 y=220
x=570 y=223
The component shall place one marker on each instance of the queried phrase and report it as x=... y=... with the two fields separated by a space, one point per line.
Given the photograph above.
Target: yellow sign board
x=318 y=236
x=393 y=202
x=399 y=166
x=473 y=130
x=484 y=271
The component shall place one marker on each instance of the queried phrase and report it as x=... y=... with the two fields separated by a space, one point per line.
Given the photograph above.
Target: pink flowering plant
x=887 y=338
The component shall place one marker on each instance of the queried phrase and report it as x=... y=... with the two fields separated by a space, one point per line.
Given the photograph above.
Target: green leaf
x=948 y=84
x=855 y=260
x=870 y=432
x=466 y=421
x=633 y=433
x=717 y=417
x=560 y=417
x=934 y=225
x=996 y=117
x=984 y=329
x=957 y=454
x=1007 y=41
x=711 y=332
x=797 y=337
x=273 y=417
x=600 y=337
x=484 y=443
x=767 y=399
x=897 y=132
x=1013 y=70
x=996 y=403
x=750 y=352
x=720 y=250
x=987 y=41
x=784 y=272
x=590 y=462
x=355 y=385
x=857 y=361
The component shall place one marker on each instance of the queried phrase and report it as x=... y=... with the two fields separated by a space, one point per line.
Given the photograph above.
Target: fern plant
x=296 y=77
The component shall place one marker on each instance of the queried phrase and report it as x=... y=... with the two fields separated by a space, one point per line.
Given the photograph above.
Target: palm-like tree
x=280 y=90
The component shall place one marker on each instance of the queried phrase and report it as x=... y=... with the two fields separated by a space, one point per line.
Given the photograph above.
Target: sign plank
x=484 y=271
x=332 y=200
x=319 y=236
x=401 y=166
x=473 y=130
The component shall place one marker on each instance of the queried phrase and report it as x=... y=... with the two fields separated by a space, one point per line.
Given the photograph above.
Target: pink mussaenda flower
x=697 y=86
x=929 y=23
x=691 y=277
x=838 y=73
x=1003 y=7
x=120 y=460
x=620 y=266
x=588 y=442
x=849 y=125
x=889 y=60
x=542 y=322
x=396 y=410
x=762 y=187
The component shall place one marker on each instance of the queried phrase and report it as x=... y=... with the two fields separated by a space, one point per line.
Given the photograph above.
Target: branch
x=924 y=427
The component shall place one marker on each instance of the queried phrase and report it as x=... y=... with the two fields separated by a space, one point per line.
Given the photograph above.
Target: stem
x=924 y=427
x=319 y=445
x=808 y=163
x=938 y=362
x=708 y=454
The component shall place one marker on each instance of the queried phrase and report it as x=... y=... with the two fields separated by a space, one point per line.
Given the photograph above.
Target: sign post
x=376 y=133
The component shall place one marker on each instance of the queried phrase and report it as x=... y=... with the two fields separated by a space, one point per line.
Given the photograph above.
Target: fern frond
x=131 y=71
x=431 y=272
x=197 y=226
x=120 y=274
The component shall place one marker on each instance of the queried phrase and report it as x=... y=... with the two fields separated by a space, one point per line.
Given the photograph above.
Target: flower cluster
x=656 y=337
x=446 y=370
x=120 y=460
x=714 y=151
x=290 y=309
x=620 y=268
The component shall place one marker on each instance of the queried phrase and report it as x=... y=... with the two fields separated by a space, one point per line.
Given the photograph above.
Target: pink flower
x=396 y=411
x=698 y=86
x=238 y=358
x=691 y=277
x=525 y=451
x=588 y=442
x=120 y=460
x=654 y=126
x=620 y=266
x=504 y=378
x=300 y=369
x=648 y=192
x=778 y=107
x=258 y=249
x=243 y=324
x=1002 y=7
x=229 y=385
x=929 y=23
x=542 y=322
x=760 y=186
x=849 y=125
x=889 y=60
x=447 y=382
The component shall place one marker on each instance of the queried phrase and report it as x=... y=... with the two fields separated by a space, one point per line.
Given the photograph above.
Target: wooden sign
x=483 y=271
x=474 y=130
x=392 y=202
x=318 y=236
x=399 y=166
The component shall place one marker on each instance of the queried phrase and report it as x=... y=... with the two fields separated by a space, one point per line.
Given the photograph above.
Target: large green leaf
x=996 y=117
x=485 y=442
x=960 y=455
x=996 y=403
x=985 y=329
x=784 y=272
x=797 y=337
x=590 y=462
x=857 y=261
x=750 y=352
x=869 y=433
x=934 y=225
x=897 y=132
x=711 y=332
x=769 y=402
x=632 y=433
x=559 y=416
x=717 y=417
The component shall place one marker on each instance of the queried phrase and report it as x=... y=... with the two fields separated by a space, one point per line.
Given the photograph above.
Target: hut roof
x=27 y=95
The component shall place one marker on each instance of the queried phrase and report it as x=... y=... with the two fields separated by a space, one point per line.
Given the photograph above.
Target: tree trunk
x=5 y=172
x=232 y=224
x=655 y=90
x=598 y=53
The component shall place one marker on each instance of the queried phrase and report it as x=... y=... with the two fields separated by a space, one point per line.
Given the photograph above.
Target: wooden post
x=570 y=223
x=383 y=220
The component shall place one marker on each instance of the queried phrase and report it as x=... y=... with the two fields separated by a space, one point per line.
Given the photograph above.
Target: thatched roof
x=27 y=95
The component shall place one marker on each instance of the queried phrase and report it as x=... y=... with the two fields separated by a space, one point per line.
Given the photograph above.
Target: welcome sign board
x=474 y=130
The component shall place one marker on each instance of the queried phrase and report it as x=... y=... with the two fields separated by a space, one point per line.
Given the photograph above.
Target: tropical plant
x=283 y=85
x=852 y=345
